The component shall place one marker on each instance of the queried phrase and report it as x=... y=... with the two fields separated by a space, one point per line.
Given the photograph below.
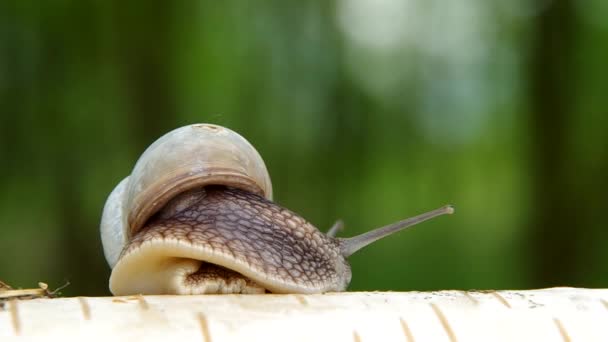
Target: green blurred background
x=369 y=111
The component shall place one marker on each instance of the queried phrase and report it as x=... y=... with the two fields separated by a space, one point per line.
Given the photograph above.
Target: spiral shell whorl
x=185 y=158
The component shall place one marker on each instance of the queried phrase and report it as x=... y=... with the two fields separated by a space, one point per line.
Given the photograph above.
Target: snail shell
x=185 y=158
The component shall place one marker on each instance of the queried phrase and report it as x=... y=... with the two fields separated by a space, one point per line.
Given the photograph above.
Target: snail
x=196 y=216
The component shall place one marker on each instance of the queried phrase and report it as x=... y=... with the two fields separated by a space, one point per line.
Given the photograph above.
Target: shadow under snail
x=196 y=216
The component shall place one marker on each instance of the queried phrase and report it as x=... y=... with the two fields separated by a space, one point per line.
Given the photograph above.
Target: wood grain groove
x=406 y=330
x=444 y=323
x=204 y=324
x=501 y=299
x=14 y=313
x=85 y=308
x=562 y=330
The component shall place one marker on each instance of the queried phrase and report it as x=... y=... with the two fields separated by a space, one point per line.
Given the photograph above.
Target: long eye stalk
x=349 y=246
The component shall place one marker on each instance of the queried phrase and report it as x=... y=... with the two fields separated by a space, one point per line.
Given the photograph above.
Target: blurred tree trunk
x=553 y=213
x=144 y=42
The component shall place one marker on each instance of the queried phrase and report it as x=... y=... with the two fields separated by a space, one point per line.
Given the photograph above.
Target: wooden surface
x=557 y=314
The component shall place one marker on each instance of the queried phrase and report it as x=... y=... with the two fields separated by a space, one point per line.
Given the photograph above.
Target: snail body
x=196 y=216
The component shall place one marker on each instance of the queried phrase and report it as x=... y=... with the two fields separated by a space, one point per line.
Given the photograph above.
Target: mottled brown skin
x=212 y=273
x=270 y=239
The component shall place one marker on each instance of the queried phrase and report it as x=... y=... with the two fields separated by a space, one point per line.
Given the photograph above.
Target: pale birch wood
x=556 y=314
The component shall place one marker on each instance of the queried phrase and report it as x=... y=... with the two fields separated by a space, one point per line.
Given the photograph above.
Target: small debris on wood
x=7 y=293
x=4 y=286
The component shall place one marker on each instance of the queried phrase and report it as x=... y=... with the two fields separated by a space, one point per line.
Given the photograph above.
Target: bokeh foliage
x=369 y=111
